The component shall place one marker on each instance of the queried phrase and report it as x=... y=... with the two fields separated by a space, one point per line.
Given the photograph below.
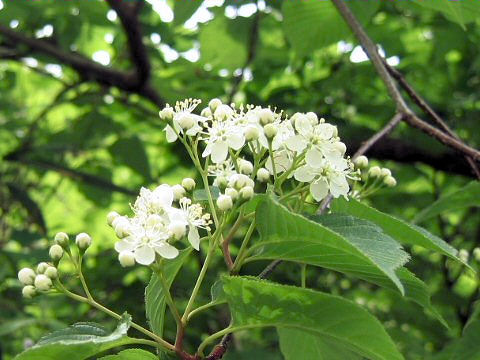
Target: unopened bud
x=361 y=162
x=186 y=121
x=214 y=104
x=111 y=216
x=166 y=114
x=223 y=112
x=42 y=267
x=476 y=254
x=206 y=112
x=386 y=172
x=126 y=258
x=83 y=241
x=375 y=171
x=390 y=181
x=263 y=175
x=28 y=292
x=246 y=193
x=55 y=252
x=61 y=239
x=463 y=255
x=224 y=202
x=340 y=147
x=221 y=182
x=238 y=181
x=178 y=192
x=312 y=117
x=232 y=193
x=270 y=131
x=266 y=116
x=246 y=167
x=51 y=272
x=26 y=276
x=188 y=184
x=252 y=133
x=43 y=282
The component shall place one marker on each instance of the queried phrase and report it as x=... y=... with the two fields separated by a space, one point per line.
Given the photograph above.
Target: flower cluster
x=161 y=216
x=255 y=142
x=41 y=279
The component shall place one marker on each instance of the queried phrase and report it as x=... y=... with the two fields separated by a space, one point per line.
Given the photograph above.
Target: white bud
x=390 y=181
x=238 y=181
x=42 y=267
x=51 y=272
x=221 y=182
x=312 y=117
x=386 y=172
x=224 y=202
x=252 y=133
x=223 y=112
x=28 y=292
x=463 y=255
x=55 y=252
x=340 y=147
x=246 y=167
x=335 y=130
x=121 y=225
x=266 y=116
x=166 y=114
x=246 y=193
x=178 y=192
x=375 y=171
x=188 y=184
x=263 y=175
x=476 y=253
x=111 y=216
x=61 y=239
x=250 y=183
x=126 y=258
x=43 y=282
x=214 y=104
x=232 y=193
x=186 y=121
x=178 y=229
x=206 y=112
x=26 y=276
x=361 y=162
x=270 y=131
x=83 y=241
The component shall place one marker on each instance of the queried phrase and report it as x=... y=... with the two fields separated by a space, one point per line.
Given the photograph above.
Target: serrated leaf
x=465 y=197
x=461 y=12
x=257 y=303
x=77 y=342
x=467 y=347
x=353 y=246
x=300 y=345
x=131 y=354
x=400 y=230
x=131 y=152
x=155 y=303
x=313 y=24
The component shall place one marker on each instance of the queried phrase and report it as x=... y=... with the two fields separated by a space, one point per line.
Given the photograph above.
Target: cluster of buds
x=41 y=279
x=373 y=178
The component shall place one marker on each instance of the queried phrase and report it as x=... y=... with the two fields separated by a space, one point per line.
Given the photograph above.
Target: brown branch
x=423 y=105
x=402 y=108
x=87 y=69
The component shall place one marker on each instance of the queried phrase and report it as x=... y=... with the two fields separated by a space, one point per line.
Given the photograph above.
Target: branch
x=87 y=69
x=402 y=108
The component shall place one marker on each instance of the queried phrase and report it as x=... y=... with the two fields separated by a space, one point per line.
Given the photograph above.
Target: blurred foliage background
x=81 y=84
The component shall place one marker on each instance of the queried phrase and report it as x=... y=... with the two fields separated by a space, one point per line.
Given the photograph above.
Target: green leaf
x=223 y=42
x=131 y=152
x=257 y=303
x=131 y=354
x=77 y=342
x=313 y=24
x=300 y=345
x=183 y=10
x=289 y=236
x=465 y=348
x=342 y=243
x=463 y=198
x=461 y=12
x=155 y=303
x=10 y=326
x=401 y=231
x=202 y=195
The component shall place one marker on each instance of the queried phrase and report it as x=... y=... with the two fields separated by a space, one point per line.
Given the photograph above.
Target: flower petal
x=164 y=194
x=123 y=245
x=338 y=185
x=319 y=189
x=296 y=143
x=194 y=237
x=166 y=251
x=236 y=140
x=314 y=158
x=304 y=174
x=219 y=152
x=171 y=135
x=144 y=255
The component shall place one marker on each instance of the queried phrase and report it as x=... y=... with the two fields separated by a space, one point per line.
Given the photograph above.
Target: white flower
x=178 y=192
x=325 y=179
x=191 y=216
x=26 y=276
x=184 y=121
x=283 y=161
x=148 y=235
x=126 y=258
x=221 y=136
x=157 y=201
x=222 y=172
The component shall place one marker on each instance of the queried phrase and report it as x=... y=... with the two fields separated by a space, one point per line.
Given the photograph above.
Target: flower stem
x=82 y=278
x=238 y=260
x=223 y=332
x=168 y=297
x=303 y=275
